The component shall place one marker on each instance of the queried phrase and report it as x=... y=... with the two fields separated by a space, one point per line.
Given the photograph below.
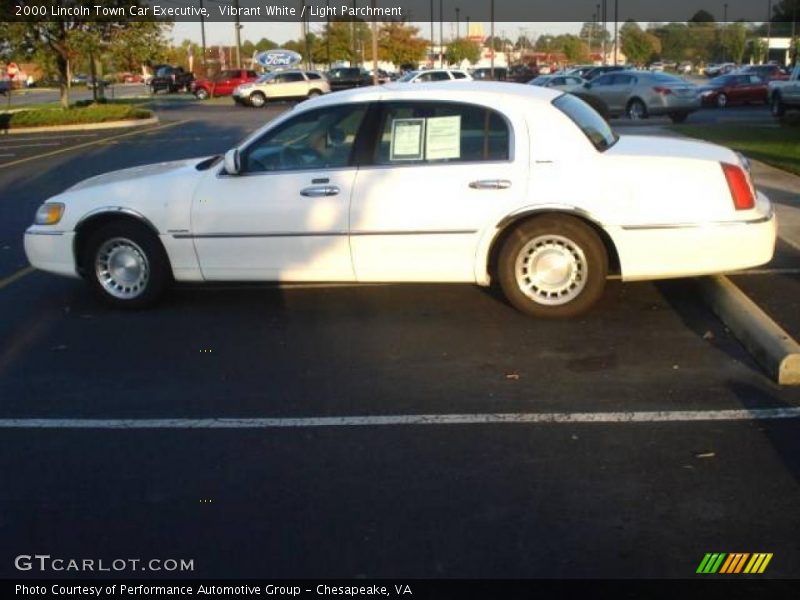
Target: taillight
x=741 y=189
x=662 y=90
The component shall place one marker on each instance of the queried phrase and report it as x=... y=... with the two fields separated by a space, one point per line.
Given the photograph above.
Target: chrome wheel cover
x=257 y=100
x=722 y=101
x=636 y=111
x=122 y=268
x=551 y=270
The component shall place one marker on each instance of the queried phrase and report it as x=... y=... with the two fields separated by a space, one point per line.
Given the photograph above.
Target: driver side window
x=316 y=139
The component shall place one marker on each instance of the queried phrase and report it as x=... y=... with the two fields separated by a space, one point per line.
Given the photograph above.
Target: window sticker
x=443 y=138
x=407 y=137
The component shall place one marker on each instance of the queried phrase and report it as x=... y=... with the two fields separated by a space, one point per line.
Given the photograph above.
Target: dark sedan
x=734 y=89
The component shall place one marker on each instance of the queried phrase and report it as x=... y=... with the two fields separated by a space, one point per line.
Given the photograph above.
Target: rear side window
x=441 y=132
x=290 y=77
x=459 y=75
x=314 y=75
x=588 y=120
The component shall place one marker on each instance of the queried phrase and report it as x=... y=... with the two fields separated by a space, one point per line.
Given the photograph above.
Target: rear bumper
x=697 y=249
x=51 y=251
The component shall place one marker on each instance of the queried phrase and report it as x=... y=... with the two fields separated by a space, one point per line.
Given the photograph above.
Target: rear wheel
x=201 y=94
x=636 y=110
x=722 y=100
x=314 y=93
x=258 y=99
x=777 y=107
x=553 y=266
x=126 y=265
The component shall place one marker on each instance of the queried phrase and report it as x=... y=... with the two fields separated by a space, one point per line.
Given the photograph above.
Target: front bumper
x=51 y=251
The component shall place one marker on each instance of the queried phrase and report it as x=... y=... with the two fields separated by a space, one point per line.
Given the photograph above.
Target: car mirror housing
x=231 y=162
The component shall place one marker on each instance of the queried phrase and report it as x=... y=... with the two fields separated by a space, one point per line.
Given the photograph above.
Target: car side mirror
x=232 y=162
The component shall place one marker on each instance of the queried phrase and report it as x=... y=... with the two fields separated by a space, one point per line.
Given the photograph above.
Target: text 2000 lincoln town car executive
x=469 y=182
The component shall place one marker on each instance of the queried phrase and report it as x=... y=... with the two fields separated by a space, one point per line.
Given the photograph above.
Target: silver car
x=639 y=94
x=565 y=83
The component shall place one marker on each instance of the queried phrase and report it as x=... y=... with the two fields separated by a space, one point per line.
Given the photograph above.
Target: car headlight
x=49 y=213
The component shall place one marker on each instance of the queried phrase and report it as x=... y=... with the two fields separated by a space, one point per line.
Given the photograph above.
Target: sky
x=219 y=33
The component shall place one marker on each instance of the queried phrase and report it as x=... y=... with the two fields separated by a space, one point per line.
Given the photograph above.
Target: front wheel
x=777 y=107
x=636 y=110
x=201 y=94
x=126 y=265
x=553 y=266
x=258 y=99
x=722 y=100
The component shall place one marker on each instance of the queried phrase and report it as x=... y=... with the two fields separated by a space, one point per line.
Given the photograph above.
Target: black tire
x=314 y=93
x=257 y=99
x=581 y=286
x=136 y=239
x=722 y=101
x=636 y=110
x=201 y=94
x=679 y=117
x=777 y=107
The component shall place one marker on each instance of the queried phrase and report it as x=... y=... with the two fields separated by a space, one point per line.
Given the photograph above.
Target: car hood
x=134 y=173
x=667 y=147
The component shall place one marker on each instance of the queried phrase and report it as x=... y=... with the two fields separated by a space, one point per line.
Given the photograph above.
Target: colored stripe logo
x=734 y=563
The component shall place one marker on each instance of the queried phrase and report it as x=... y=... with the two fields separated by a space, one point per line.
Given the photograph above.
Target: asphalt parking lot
x=377 y=431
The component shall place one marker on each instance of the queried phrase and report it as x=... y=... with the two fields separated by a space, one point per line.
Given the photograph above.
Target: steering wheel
x=290 y=157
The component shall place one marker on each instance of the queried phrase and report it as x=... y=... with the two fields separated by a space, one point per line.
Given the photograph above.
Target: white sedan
x=468 y=182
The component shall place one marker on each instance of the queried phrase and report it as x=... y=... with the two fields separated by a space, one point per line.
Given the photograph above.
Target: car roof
x=495 y=92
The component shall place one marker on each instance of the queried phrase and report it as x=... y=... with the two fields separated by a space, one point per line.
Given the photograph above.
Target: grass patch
x=96 y=113
x=777 y=145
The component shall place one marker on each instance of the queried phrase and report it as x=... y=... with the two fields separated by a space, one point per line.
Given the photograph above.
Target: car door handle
x=317 y=191
x=490 y=184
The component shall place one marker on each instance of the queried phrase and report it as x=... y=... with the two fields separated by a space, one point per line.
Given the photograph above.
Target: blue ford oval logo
x=278 y=58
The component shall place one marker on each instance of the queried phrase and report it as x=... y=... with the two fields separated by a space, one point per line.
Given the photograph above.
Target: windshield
x=725 y=80
x=265 y=78
x=590 y=122
x=408 y=76
x=663 y=78
x=539 y=81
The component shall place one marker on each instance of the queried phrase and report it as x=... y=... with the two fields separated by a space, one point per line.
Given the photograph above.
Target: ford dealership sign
x=278 y=58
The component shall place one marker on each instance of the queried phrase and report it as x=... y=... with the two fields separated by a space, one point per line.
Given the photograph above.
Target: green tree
x=139 y=43
x=636 y=44
x=574 y=49
x=733 y=40
x=399 y=43
x=463 y=49
x=758 y=50
x=701 y=17
x=593 y=34
x=265 y=44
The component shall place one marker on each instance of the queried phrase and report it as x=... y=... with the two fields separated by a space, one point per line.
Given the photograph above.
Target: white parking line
x=11 y=147
x=396 y=420
x=6 y=155
x=44 y=139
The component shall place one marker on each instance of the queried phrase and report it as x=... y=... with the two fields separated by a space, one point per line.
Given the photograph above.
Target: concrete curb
x=127 y=123
x=769 y=344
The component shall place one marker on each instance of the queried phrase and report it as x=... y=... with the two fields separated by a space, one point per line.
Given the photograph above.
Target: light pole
x=458 y=23
x=491 y=16
x=441 y=36
x=203 y=38
x=616 y=31
x=238 y=36
x=432 y=60
x=603 y=17
x=769 y=30
x=374 y=45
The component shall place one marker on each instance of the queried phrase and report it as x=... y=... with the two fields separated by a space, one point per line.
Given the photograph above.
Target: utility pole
x=328 y=33
x=769 y=29
x=616 y=31
x=793 y=53
x=441 y=36
x=491 y=69
x=374 y=45
x=238 y=36
x=467 y=19
x=603 y=16
x=353 y=48
x=203 y=38
x=458 y=23
x=431 y=55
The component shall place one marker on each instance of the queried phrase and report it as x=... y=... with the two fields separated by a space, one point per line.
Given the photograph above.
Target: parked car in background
x=767 y=72
x=281 y=85
x=472 y=183
x=79 y=79
x=565 y=83
x=345 y=78
x=485 y=74
x=641 y=94
x=383 y=76
x=714 y=70
x=223 y=84
x=523 y=73
x=579 y=70
x=597 y=71
x=657 y=67
x=171 y=79
x=432 y=75
x=785 y=95
x=684 y=68
x=726 y=90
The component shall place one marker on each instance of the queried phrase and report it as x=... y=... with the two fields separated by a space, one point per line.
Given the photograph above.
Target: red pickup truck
x=223 y=84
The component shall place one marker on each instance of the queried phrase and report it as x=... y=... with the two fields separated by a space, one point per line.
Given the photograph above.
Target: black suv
x=344 y=78
x=171 y=78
